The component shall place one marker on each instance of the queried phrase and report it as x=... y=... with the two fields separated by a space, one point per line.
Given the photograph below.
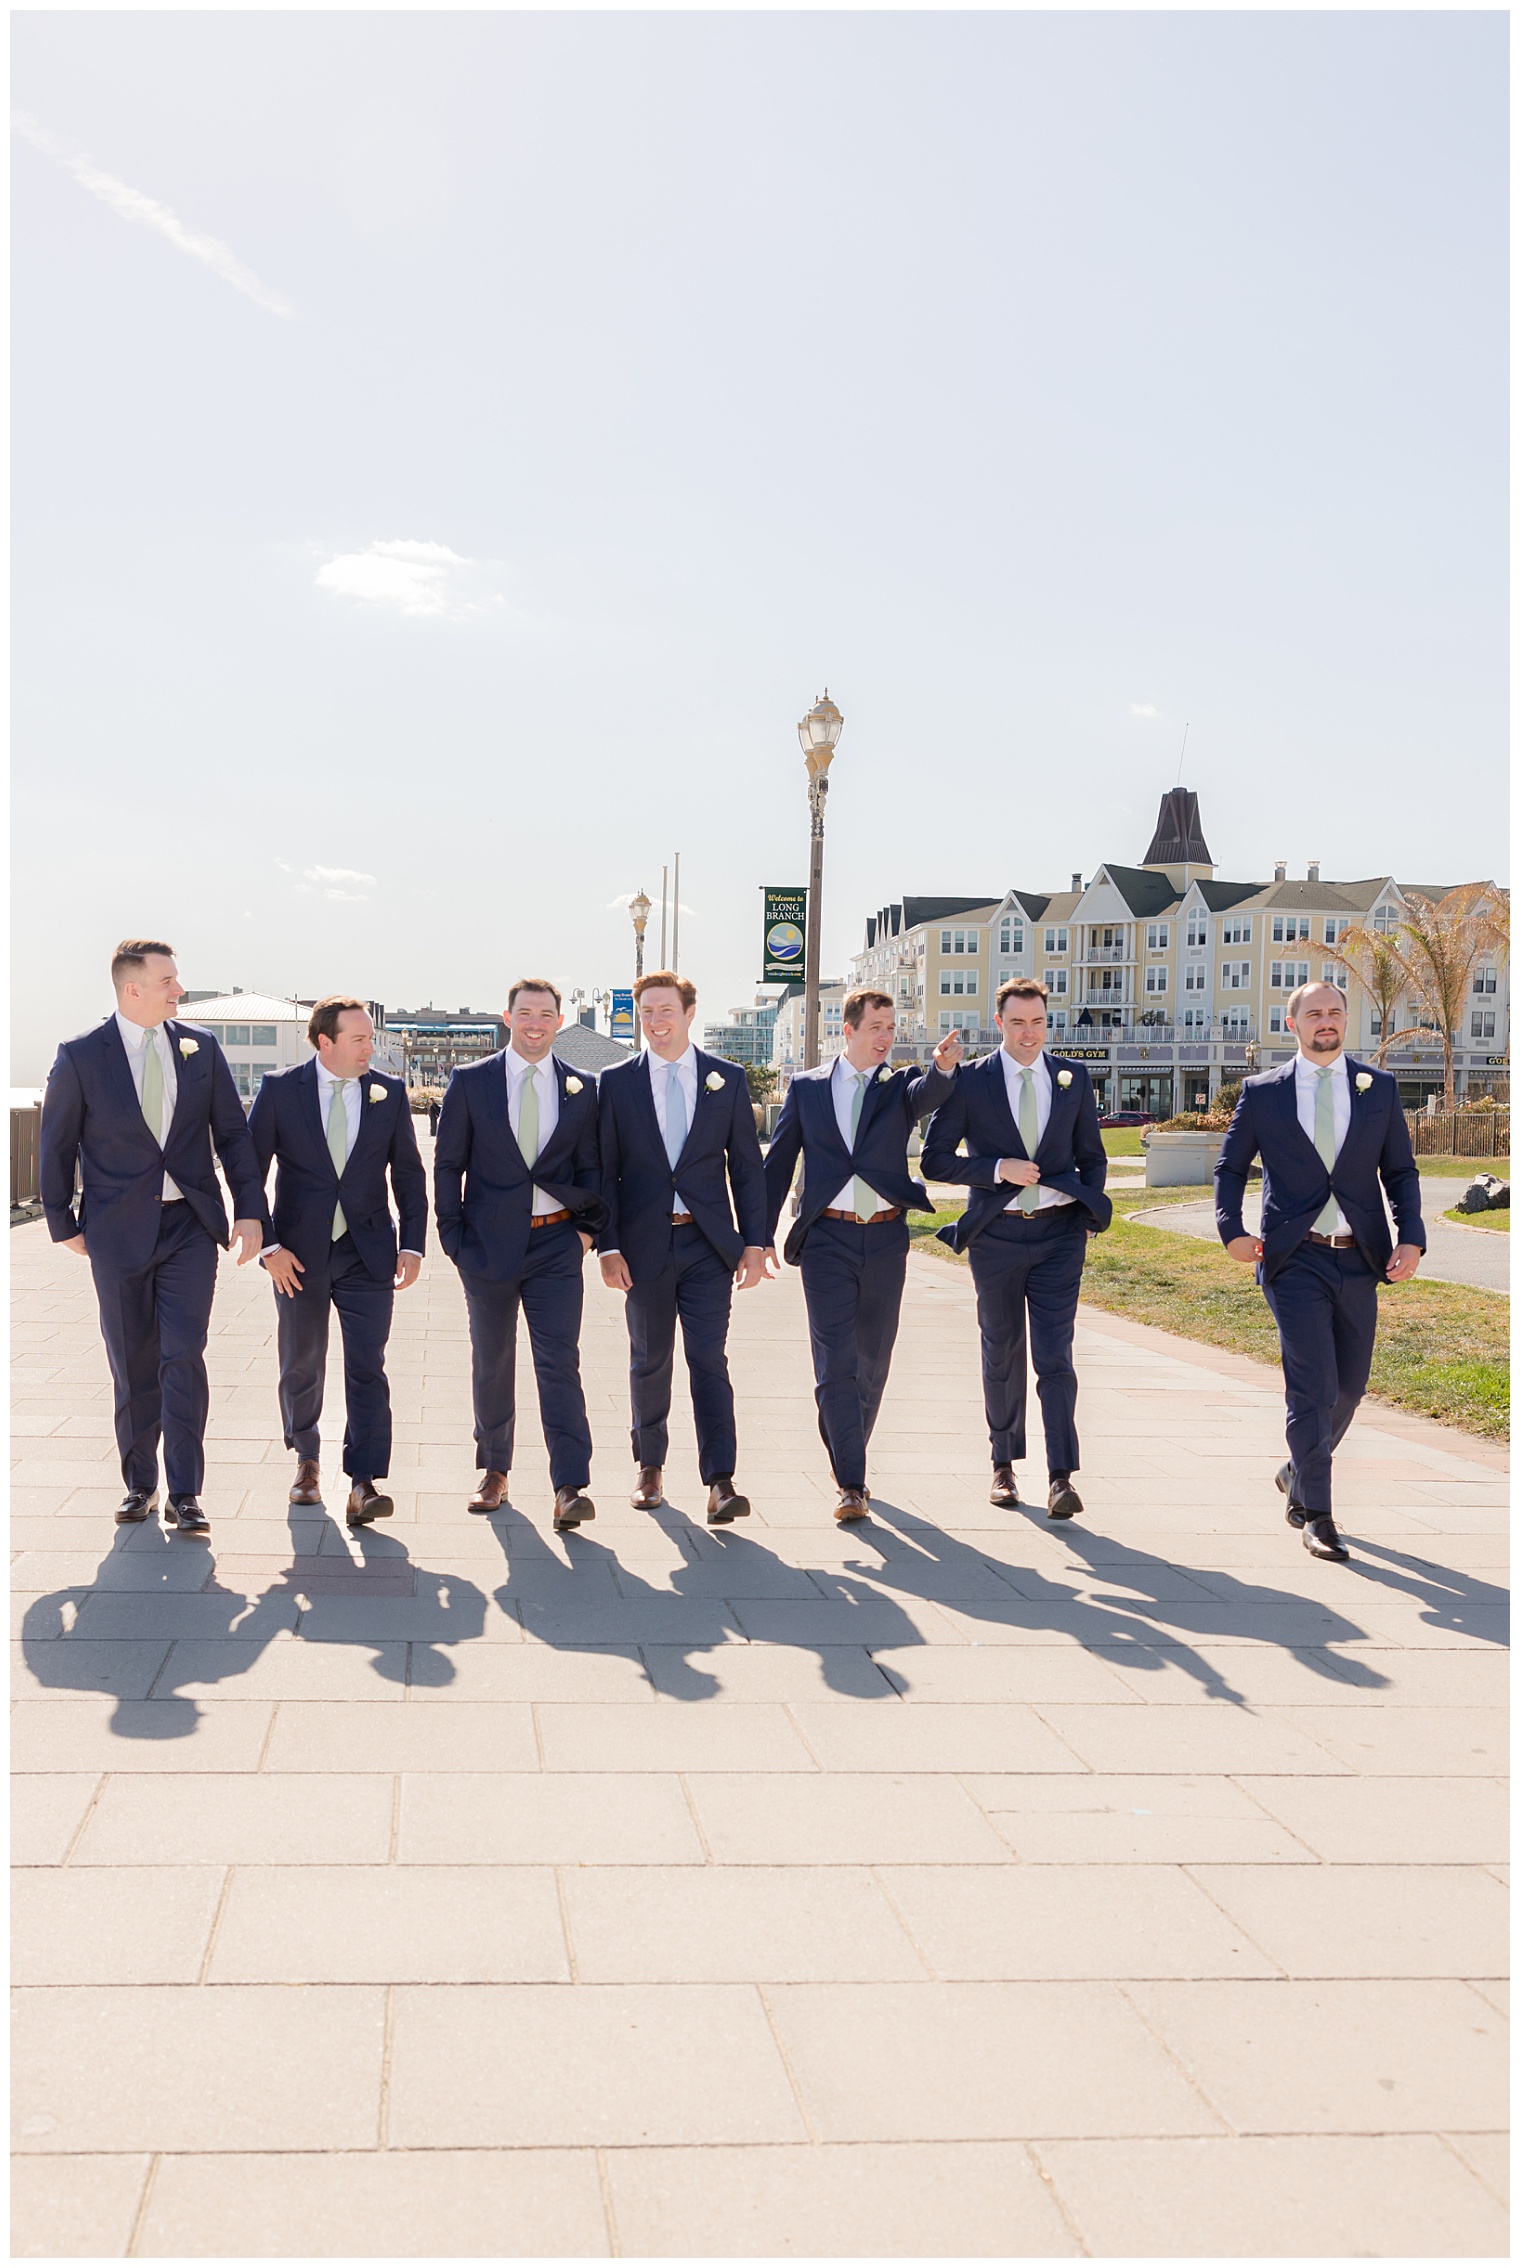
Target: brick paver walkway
x=953 y=1886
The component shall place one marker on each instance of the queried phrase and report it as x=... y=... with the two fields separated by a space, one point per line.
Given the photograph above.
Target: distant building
x=749 y=1034
x=257 y=1033
x=433 y=1042
x=786 y=1041
x=585 y=1050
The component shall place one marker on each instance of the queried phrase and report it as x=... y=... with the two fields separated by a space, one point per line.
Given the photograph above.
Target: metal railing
x=1459 y=1134
x=26 y=1153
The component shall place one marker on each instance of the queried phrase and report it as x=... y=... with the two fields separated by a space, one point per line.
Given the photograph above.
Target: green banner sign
x=785 y=944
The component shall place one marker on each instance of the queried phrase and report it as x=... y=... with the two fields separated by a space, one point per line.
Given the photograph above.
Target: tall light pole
x=819 y=734
x=638 y=909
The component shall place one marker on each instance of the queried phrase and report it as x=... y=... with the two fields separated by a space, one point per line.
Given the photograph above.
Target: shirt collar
x=844 y=1064
x=324 y=1076
x=1302 y=1063
x=518 y=1064
x=134 y=1036
x=687 y=1058
x=1014 y=1069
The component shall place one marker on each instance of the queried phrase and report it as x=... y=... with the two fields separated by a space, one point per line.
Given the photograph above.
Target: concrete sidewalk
x=952 y=1886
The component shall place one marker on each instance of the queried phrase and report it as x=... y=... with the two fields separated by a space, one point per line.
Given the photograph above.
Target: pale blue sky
x=1017 y=376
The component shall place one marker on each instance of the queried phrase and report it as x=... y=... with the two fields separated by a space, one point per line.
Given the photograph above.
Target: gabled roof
x=1219 y=897
x=1146 y=895
x=1321 y=897
x=586 y=1050
x=244 y=1008
x=913 y=913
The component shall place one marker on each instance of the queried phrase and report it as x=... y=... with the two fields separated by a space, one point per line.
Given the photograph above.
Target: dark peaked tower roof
x=1178 y=839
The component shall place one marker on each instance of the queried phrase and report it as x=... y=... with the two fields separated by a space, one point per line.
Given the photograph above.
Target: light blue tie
x=675 y=1115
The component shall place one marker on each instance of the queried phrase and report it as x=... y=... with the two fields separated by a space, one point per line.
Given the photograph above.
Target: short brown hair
x=1021 y=988
x=534 y=984
x=1300 y=994
x=326 y=1013
x=858 y=1002
x=130 y=954
x=672 y=983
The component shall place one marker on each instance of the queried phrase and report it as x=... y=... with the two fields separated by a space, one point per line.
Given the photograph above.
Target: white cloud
x=132 y=205
x=411 y=578
x=1143 y=709
x=308 y=878
x=335 y=874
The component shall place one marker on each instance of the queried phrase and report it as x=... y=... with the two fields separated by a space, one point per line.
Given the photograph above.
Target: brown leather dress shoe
x=491 y=1494
x=854 y=1504
x=306 y=1488
x=1063 y=1502
x=365 y=1503
x=649 y=1492
x=570 y=1508
x=1005 y=1489
x=723 y=1505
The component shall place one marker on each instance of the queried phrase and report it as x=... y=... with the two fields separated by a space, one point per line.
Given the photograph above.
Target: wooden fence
x=1459 y=1134
x=26 y=1127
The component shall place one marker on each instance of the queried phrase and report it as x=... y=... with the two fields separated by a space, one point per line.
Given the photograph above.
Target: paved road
x=955 y=1886
x=1455 y=1255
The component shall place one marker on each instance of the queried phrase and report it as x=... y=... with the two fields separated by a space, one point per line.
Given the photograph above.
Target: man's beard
x=1326 y=1046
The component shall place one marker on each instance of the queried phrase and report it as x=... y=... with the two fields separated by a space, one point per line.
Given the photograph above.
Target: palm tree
x=1435 y=949
x=1365 y=955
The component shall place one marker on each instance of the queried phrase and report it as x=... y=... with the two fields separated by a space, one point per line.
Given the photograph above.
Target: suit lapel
x=997 y=1096
x=187 y=1075
x=309 y=1108
x=119 y=1072
x=372 y=1115
x=1288 y=1111
x=643 y=1084
x=825 y=1128
x=1062 y=1105
x=876 y=1088
x=494 y=1102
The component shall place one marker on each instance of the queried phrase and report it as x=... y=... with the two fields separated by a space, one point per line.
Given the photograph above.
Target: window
x=957 y=980
x=1385 y=920
x=1285 y=975
x=1235 y=976
x=1275 y=1020
x=215 y=1030
x=1058 y=1019
x=1055 y=942
x=1155 y=979
x=241 y=1079
x=1336 y=927
x=1236 y=931
x=960 y=940
x=1158 y=935
x=261 y=1071
x=1483 y=1023
x=1011 y=936
x=1330 y=974
x=1194 y=1018
x=237 y=1036
x=1287 y=928
x=1198 y=928
x=1195 y=979
x=1056 y=980
x=265 y=1035
x=947 y=1021
x=1485 y=980
x=1236 y=1021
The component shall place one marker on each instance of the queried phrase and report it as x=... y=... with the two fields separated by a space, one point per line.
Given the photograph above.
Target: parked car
x=1128 y=1118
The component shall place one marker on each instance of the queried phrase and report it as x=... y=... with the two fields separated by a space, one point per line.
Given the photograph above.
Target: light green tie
x=337 y=1144
x=153 y=1087
x=1324 y=1140
x=527 y=1118
x=866 y=1200
x=1029 y=1135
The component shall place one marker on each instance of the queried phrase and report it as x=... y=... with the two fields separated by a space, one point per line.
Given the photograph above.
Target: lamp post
x=638 y=910
x=819 y=734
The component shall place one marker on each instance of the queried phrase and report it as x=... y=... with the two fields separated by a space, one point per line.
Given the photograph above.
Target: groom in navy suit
x=334 y=1130
x=850 y=1120
x=137 y=1105
x=1331 y=1137
x=516 y=1187
x=677 y=1133
x=1035 y=1170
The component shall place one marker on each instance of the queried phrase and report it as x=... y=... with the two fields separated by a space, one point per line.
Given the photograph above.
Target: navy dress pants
x=697 y=1287
x=852 y=1279
x=154 y=1321
x=1030 y=1265
x=548 y=1288
x=1324 y=1304
x=364 y=1307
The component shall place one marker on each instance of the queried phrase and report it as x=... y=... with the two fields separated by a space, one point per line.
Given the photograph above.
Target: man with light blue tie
x=679 y=1154
x=1331 y=1137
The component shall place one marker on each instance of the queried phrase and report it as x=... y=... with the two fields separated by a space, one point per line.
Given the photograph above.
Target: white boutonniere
x=1063 y=1078
x=885 y=1073
x=189 y=1047
x=378 y=1093
x=572 y=1086
x=1363 y=1081
x=713 y=1082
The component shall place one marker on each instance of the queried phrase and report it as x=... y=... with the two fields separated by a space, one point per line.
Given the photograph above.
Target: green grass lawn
x=1464 y=1169
x=1442 y=1349
x=1123 y=1141
x=1498 y=1219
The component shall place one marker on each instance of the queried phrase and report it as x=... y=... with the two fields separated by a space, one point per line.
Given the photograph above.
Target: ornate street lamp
x=819 y=734
x=638 y=910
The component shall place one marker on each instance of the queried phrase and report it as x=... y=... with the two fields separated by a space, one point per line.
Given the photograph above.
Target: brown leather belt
x=547 y=1220
x=1336 y=1243
x=680 y=1220
x=863 y=1220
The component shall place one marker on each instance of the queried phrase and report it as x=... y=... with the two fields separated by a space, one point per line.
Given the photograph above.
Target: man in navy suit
x=1331 y=1138
x=1035 y=1168
x=516 y=1183
x=677 y=1133
x=850 y=1120
x=334 y=1130
x=137 y=1105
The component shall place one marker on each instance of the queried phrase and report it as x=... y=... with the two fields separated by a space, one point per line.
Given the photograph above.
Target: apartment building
x=786 y=1033
x=1166 y=979
x=749 y=1034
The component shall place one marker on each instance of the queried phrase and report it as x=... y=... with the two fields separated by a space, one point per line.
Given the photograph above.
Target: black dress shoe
x=365 y=1503
x=1005 y=1489
x=184 y=1513
x=1295 y=1514
x=1321 y=1539
x=722 y=1503
x=1063 y=1502
x=137 y=1504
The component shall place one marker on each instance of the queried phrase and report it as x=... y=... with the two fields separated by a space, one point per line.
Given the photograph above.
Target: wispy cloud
x=328 y=879
x=132 y=205
x=1143 y=709
x=408 y=577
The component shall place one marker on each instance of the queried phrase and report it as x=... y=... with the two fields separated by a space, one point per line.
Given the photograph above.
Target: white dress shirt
x=843 y=1080
x=685 y=1069
x=134 y=1038
x=353 y=1112
x=546 y=1087
x=1044 y=1092
x=1306 y=1073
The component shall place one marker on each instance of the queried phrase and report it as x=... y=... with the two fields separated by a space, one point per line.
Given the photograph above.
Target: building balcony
x=1107 y=956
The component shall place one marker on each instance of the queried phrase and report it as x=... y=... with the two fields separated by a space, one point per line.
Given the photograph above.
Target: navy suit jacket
x=482 y=1186
x=286 y=1125
x=90 y=1113
x=1376 y=1155
x=807 y=1126
x=1071 y=1156
x=721 y=1151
